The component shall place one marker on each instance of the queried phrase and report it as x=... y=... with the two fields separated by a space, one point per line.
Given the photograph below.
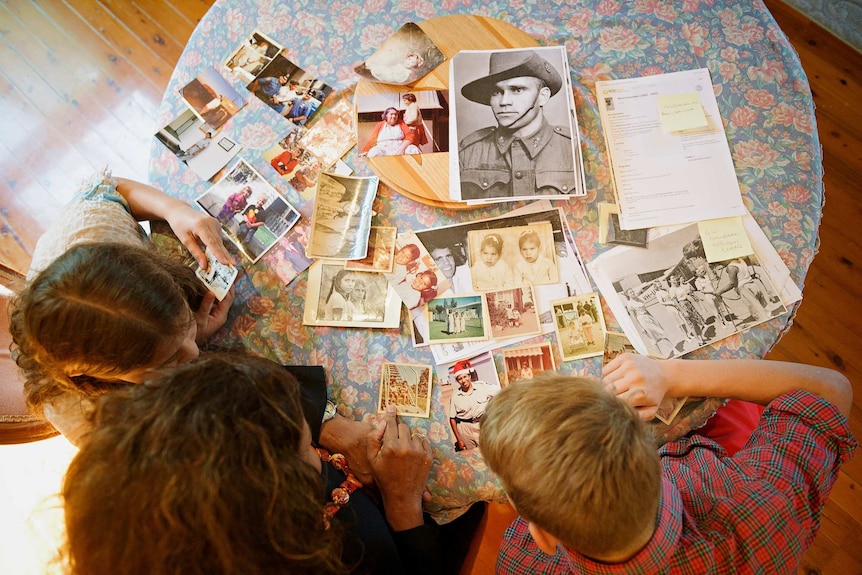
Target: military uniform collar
x=534 y=144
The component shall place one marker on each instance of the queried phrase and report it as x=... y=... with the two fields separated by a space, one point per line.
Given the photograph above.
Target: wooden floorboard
x=80 y=86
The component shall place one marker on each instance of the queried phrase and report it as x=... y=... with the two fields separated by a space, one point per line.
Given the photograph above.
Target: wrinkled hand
x=400 y=463
x=194 y=228
x=350 y=438
x=212 y=314
x=639 y=380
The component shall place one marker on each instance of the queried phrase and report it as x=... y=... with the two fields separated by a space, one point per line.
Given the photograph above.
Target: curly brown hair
x=98 y=310
x=200 y=472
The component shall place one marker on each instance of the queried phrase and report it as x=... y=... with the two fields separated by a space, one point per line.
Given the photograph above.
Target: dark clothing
x=495 y=164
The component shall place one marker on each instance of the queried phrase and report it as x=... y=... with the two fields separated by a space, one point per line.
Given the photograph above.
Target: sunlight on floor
x=31 y=520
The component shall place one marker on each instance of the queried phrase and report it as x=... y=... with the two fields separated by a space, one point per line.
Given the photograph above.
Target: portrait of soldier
x=523 y=154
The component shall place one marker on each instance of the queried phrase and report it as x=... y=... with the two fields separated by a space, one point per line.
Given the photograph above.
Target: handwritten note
x=681 y=112
x=724 y=239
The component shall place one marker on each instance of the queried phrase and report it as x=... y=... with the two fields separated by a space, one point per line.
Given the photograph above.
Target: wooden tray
x=425 y=178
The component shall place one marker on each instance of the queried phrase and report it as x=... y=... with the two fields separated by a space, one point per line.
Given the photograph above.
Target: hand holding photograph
x=407 y=387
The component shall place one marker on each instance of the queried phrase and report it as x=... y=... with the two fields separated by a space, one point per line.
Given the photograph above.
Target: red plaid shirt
x=754 y=512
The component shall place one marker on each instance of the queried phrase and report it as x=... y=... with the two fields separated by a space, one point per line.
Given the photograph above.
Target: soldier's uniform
x=495 y=164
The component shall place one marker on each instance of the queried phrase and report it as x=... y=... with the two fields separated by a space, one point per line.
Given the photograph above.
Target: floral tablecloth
x=762 y=93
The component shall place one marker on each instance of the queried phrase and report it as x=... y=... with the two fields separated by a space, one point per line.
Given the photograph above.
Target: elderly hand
x=639 y=380
x=349 y=437
x=212 y=314
x=194 y=228
x=400 y=461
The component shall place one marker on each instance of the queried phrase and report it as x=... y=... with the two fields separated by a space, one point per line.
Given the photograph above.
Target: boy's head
x=576 y=462
x=407 y=253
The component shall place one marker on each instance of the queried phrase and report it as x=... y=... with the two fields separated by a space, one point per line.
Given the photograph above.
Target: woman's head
x=425 y=282
x=491 y=248
x=343 y=283
x=101 y=314
x=205 y=470
x=530 y=245
x=390 y=116
x=409 y=98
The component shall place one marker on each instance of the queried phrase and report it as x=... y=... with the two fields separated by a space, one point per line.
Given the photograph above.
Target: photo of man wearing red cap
x=467 y=405
x=530 y=151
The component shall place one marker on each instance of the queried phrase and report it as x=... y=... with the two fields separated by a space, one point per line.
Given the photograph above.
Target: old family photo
x=402 y=123
x=677 y=301
x=341 y=297
x=466 y=388
x=515 y=128
x=250 y=210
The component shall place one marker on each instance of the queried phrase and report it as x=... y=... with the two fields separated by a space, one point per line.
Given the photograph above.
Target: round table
x=762 y=93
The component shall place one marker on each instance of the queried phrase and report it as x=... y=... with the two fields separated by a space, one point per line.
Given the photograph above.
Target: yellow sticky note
x=681 y=112
x=724 y=239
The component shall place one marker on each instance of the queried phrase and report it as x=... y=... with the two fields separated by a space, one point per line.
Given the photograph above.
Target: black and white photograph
x=512 y=256
x=466 y=388
x=289 y=90
x=252 y=54
x=457 y=318
x=407 y=386
x=526 y=362
x=218 y=277
x=250 y=210
x=676 y=301
x=580 y=326
x=342 y=217
x=514 y=126
x=403 y=58
x=212 y=98
x=402 y=123
x=337 y=296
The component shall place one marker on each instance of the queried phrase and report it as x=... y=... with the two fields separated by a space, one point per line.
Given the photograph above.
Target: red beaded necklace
x=340 y=495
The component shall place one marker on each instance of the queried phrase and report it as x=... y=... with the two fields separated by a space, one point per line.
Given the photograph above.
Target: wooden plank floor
x=81 y=82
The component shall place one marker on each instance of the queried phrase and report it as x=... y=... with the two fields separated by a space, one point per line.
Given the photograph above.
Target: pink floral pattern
x=762 y=93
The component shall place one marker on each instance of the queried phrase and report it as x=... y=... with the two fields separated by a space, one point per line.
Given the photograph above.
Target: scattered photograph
x=212 y=98
x=200 y=146
x=513 y=256
x=287 y=258
x=505 y=101
x=250 y=57
x=618 y=236
x=616 y=344
x=403 y=58
x=466 y=388
x=407 y=386
x=580 y=326
x=415 y=277
x=527 y=362
x=289 y=90
x=457 y=318
x=342 y=216
x=669 y=409
x=340 y=297
x=512 y=312
x=333 y=132
x=381 y=251
x=675 y=301
x=250 y=210
x=294 y=163
x=402 y=123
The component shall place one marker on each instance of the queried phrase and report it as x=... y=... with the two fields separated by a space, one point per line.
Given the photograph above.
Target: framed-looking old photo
x=407 y=386
x=526 y=362
x=580 y=326
x=457 y=318
x=512 y=312
x=340 y=297
x=506 y=257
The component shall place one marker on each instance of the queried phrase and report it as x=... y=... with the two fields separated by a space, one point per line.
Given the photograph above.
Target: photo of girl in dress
x=337 y=296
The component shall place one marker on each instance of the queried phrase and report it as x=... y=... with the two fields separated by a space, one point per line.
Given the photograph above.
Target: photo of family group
x=457 y=318
x=403 y=123
x=250 y=210
x=580 y=326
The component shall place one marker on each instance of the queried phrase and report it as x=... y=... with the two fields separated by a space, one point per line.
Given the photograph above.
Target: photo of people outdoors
x=527 y=362
x=461 y=318
x=342 y=217
x=407 y=387
x=250 y=210
x=467 y=387
x=403 y=123
x=512 y=312
x=580 y=326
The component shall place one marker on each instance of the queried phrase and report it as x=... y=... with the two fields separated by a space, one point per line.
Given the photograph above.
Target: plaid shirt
x=755 y=512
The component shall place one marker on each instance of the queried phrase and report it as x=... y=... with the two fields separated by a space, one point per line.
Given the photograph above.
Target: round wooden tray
x=425 y=178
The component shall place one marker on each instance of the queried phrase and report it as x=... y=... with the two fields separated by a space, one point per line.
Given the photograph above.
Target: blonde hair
x=575 y=460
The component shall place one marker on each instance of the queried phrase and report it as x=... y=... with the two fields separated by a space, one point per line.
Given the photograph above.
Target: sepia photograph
x=250 y=210
x=466 y=388
x=580 y=326
x=527 y=362
x=381 y=251
x=407 y=386
x=337 y=296
x=333 y=131
x=514 y=126
x=250 y=57
x=402 y=123
x=457 y=318
x=406 y=56
x=513 y=256
x=342 y=217
x=212 y=98
x=616 y=344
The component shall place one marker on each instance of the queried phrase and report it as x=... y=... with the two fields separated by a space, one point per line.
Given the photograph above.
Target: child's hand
x=212 y=314
x=639 y=380
x=194 y=228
